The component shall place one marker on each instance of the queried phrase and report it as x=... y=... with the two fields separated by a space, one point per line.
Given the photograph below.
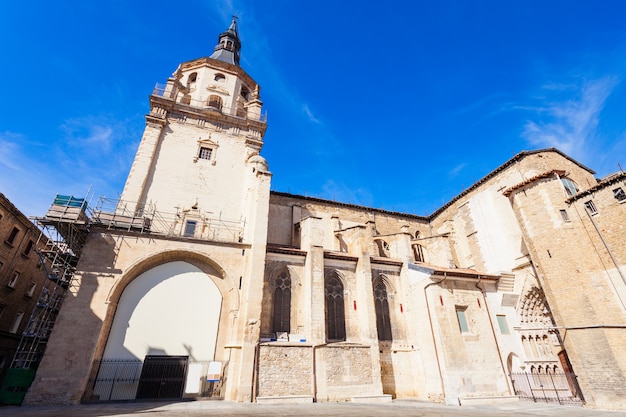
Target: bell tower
x=186 y=242
x=202 y=138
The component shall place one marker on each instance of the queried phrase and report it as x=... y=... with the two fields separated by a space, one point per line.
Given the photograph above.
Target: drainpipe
x=495 y=338
x=432 y=332
x=606 y=245
x=314 y=369
x=255 y=372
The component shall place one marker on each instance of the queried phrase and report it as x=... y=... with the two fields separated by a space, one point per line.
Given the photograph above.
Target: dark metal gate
x=162 y=377
x=159 y=377
x=558 y=387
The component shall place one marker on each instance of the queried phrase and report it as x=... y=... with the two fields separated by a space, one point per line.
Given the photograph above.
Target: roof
x=348 y=205
x=605 y=182
x=501 y=168
x=453 y=272
x=546 y=174
x=228 y=54
x=429 y=218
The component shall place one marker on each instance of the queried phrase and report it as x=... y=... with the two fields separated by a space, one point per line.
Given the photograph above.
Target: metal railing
x=128 y=379
x=162 y=90
x=124 y=215
x=558 y=387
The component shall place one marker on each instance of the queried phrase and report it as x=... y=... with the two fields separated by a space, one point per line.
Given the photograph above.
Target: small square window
x=16 y=323
x=12 y=235
x=591 y=207
x=28 y=248
x=190 y=228
x=503 y=324
x=619 y=194
x=31 y=289
x=13 y=280
x=460 y=315
x=564 y=215
x=205 y=153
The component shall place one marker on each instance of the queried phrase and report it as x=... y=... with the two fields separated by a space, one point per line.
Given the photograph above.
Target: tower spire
x=228 y=45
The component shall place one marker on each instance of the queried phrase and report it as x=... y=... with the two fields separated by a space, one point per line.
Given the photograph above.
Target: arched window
x=418 y=252
x=570 y=186
x=192 y=79
x=335 y=310
x=383 y=248
x=220 y=77
x=215 y=102
x=282 y=302
x=381 y=302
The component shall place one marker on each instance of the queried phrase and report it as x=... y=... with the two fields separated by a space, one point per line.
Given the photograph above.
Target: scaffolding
x=62 y=235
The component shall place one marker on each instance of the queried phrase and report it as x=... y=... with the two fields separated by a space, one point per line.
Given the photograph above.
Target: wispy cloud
x=570 y=124
x=456 y=170
x=10 y=148
x=310 y=114
x=91 y=152
x=94 y=134
x=341 y=192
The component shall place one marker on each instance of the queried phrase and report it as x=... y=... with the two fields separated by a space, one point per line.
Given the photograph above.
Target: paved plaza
x=228 y=408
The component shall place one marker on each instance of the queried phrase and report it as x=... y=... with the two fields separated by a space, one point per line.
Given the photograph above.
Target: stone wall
x=285 y=370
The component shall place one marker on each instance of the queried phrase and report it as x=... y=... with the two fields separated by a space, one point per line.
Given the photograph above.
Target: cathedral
x=201 y=282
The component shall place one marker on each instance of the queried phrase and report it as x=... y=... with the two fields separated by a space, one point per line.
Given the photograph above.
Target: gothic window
x=335 y=310
x=282 y=302
x=215 y=102
x=570 y=186
x=381 y=302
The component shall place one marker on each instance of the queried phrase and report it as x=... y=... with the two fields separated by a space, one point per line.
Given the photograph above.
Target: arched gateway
x=163 y=337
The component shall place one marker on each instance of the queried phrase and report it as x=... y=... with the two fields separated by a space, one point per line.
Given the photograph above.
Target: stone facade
x=325 y=301
x=21 y=279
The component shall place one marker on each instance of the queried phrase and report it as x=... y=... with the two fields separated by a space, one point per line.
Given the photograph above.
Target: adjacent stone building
x=201 y=274
x=21 y=278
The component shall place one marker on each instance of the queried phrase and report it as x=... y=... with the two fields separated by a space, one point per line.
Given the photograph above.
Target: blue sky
x=398 y=105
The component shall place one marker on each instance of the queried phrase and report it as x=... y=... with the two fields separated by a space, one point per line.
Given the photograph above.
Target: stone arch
x=514 y=364
x=224 y=283
x=335 y=305
x=272 y=271
x=382 y=308
x=281 y=286
x=391 y=288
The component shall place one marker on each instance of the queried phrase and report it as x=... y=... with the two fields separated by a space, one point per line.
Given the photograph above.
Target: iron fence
x=160 y=377
x=558 y=387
